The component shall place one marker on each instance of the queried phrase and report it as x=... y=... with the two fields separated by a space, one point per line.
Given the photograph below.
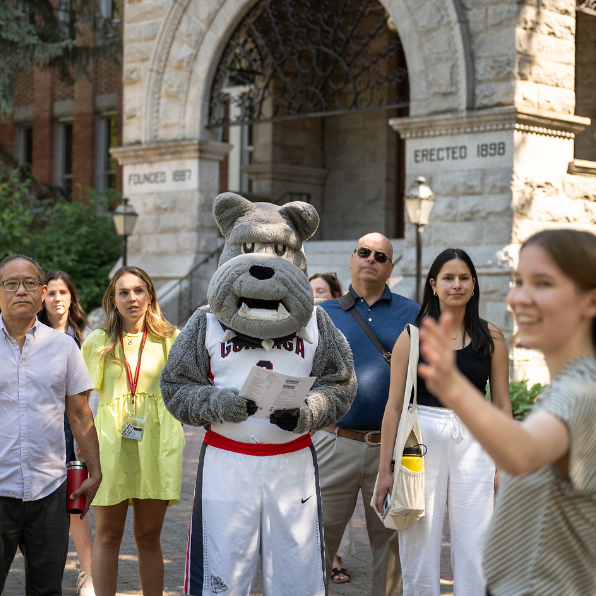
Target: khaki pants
x=347 y=467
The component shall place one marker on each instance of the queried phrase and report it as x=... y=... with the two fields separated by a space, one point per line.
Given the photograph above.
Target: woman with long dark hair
x=459 y=474
x=542 y=537
x=62 y=311
x=140 y=443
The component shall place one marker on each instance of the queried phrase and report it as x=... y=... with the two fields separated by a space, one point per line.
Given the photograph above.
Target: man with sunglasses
x=42 y=371
x=348 y=454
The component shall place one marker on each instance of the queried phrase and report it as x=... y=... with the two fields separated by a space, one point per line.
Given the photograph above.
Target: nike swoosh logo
x=304 y=500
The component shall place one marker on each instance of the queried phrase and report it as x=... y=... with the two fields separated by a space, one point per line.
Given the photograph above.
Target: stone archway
x=193 y=35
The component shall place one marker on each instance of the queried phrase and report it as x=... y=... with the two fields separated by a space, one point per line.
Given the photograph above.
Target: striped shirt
x=542 y=539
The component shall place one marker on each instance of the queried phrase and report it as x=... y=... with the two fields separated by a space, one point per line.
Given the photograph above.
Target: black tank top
x=476 y=370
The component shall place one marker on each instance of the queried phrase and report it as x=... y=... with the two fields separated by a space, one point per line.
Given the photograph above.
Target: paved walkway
x=174 y=538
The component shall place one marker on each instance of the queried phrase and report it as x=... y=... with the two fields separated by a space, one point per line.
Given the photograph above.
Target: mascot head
x=260 y=289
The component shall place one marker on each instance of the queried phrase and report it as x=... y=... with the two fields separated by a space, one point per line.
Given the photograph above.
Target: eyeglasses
x=12 y=285
x=364 y=253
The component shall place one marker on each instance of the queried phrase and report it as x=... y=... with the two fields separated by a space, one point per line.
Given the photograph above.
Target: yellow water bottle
x=412 y=458
x=412 y=462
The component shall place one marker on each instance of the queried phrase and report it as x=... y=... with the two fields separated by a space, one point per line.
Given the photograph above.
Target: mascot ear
x=227 y=208
x=303 y=217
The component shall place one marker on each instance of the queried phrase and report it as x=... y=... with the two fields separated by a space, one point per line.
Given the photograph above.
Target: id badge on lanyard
x=133 y=426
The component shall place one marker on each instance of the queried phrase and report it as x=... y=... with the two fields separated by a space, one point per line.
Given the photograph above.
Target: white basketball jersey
x=230 y=365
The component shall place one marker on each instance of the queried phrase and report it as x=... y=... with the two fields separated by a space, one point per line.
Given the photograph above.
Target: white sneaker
x=85 y=584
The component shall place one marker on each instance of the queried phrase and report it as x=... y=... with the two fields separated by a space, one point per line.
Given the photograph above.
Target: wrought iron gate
x=293 y=59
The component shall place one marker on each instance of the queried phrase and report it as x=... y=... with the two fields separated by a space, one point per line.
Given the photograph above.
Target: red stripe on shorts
x=216 y=440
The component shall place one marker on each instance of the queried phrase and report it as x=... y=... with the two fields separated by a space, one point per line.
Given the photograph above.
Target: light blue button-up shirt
x=33 y=387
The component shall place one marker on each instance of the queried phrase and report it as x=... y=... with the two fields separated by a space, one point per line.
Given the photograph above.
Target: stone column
x=475 y=162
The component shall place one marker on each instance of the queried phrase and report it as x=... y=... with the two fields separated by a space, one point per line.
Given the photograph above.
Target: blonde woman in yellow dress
x=140 y=443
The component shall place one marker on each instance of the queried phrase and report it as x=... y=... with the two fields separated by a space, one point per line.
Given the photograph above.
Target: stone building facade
x=498 y=118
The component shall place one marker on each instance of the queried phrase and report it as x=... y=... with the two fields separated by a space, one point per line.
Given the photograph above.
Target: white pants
x=246 y=506
x=460 y=474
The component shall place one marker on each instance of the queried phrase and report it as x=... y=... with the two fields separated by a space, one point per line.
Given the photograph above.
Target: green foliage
x=61 y=235
x=522 y=397
x=58 y=35
x=19 y=210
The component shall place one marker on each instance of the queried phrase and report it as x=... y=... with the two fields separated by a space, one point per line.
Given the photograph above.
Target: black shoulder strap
x=347 y=302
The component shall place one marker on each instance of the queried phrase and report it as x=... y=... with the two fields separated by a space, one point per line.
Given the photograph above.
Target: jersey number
x=265 y=364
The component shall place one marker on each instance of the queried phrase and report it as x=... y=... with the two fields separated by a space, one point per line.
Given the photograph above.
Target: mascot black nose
x=261 y=272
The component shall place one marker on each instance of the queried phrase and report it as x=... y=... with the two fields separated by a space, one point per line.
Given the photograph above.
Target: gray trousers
x=40 y=529
x=347 y=467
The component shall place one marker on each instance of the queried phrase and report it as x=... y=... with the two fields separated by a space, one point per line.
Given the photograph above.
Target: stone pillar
x=172 y=185
x=479 y=165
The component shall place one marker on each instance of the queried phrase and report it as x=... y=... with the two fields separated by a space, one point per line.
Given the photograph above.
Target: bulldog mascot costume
x=257 y=491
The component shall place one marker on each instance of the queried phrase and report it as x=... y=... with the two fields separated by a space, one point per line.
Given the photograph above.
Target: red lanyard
x=132 y=383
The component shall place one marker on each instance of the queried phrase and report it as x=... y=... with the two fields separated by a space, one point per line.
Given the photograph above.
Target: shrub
x=61 y=235
x=19 y=212
x=522 y=397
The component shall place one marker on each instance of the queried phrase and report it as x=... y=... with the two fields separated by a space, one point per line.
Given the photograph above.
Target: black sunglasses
x=364 y=253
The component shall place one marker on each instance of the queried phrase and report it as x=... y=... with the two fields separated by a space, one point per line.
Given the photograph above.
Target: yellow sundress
x=152 y=467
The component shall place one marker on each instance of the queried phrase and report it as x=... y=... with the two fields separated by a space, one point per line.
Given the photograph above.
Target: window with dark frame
x=63 y=163
x=25 y=145
x=107 y=138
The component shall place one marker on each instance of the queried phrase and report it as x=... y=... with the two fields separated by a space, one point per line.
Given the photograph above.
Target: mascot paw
x=285 y=419
x=232 y=407
x=251 y=407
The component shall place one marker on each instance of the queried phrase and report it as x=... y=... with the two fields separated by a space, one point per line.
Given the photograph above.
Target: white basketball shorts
x=251 y=500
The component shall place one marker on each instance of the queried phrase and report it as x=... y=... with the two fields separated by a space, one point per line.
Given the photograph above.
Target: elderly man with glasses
x=348 y=454
x=42 y=371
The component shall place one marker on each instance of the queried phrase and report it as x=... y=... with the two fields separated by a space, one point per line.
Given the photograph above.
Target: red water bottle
x=76 y=474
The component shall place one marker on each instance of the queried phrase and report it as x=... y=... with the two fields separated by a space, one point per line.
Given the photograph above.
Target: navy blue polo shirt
x=387 y=318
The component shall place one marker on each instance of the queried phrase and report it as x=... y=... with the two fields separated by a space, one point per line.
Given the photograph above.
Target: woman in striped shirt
x=542 y=539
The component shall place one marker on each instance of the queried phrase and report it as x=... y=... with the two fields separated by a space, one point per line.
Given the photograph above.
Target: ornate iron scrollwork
x=589 y=5
x=298 y=58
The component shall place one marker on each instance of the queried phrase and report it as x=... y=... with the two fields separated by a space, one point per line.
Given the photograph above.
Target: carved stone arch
x=435 y=38
x=159 y=60
x=433 y=34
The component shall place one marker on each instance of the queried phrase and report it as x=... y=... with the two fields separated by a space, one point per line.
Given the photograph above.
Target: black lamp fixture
x=125 y=218
x=419 y=202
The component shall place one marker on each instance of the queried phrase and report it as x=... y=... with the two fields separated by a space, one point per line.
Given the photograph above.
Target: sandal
x=336 y=576
x=85 y=584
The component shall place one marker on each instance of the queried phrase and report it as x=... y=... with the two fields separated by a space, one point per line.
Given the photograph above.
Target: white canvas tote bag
x=407 y=496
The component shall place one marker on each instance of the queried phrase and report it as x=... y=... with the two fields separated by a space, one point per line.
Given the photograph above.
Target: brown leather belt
x=364 y=436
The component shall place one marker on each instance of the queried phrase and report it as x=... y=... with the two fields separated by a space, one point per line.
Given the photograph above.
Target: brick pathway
x=174 y=547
